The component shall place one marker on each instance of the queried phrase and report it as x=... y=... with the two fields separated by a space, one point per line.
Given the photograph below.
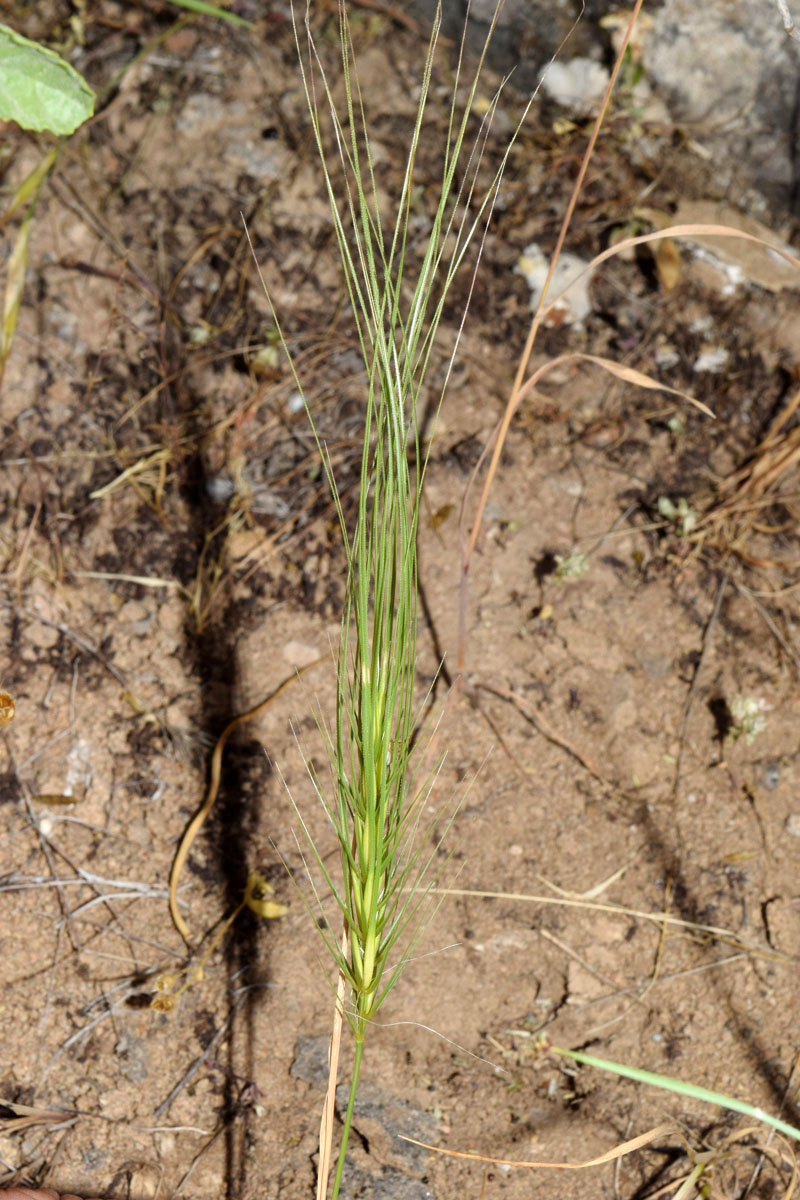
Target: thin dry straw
x=201 y=816
x=619 y=910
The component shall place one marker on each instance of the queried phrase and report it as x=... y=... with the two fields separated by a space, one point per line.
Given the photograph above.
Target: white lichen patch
x=568 y=297
x=578 y=85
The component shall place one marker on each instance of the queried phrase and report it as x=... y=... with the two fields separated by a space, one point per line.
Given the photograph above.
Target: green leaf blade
x=213 y=10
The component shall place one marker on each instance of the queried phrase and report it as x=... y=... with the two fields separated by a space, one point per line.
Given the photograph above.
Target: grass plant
x=381 y=891
x=386 y=850
x=376 y=808
x=384 y=861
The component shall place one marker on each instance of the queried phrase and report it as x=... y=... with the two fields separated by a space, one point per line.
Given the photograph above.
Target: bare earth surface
x=170 y=555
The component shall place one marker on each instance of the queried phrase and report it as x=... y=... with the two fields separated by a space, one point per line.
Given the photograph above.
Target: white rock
x=712 y=360
x=569 y=287
x=577 y=85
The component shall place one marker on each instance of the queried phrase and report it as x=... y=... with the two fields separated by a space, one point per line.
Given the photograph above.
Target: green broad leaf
x=38 y=89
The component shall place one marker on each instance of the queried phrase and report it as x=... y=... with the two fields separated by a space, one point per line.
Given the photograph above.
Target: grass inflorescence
x=386 y=848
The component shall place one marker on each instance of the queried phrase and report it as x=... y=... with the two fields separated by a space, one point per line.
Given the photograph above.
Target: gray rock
x=378 y=1119
x=376 y=1110
x=726 y=69
x=386 y=1184
x=772 y=776
x=527 y=34
x=311 y=1059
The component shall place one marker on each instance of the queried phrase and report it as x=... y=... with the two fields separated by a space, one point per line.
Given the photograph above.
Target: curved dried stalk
x=201 y=816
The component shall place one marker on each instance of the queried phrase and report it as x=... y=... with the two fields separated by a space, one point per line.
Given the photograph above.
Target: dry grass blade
x=755 y=486
x=16 y=1117
x=659 y=918
x=150 y=471
x=644 y=1139
x=499 y=438
x=329 y=1106
x=29 y=188
x=201 y=816
x=27 y=193
x=625 y=373
x=15 y=284
x=692 y=231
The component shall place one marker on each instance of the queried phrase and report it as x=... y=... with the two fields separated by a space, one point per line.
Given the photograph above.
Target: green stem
x=690 y=1185
x=348 y=1117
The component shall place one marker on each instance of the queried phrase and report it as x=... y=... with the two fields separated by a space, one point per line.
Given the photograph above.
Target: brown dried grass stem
x=201 y=816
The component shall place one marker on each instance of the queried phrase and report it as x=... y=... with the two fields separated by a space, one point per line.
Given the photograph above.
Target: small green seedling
x=748 y=718
x=681 y=515
x=570 y=566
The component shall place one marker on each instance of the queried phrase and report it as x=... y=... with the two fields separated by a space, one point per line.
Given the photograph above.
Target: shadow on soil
x=224 y=852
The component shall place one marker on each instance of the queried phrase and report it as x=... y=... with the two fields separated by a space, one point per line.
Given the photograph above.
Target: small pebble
x=772 y=776
x=712 y=360
x=577 y=84
x=220 y=487
x=793 y=825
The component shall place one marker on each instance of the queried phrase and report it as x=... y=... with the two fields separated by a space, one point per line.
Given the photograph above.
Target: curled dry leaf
x=7 y=708
x=256 y=897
